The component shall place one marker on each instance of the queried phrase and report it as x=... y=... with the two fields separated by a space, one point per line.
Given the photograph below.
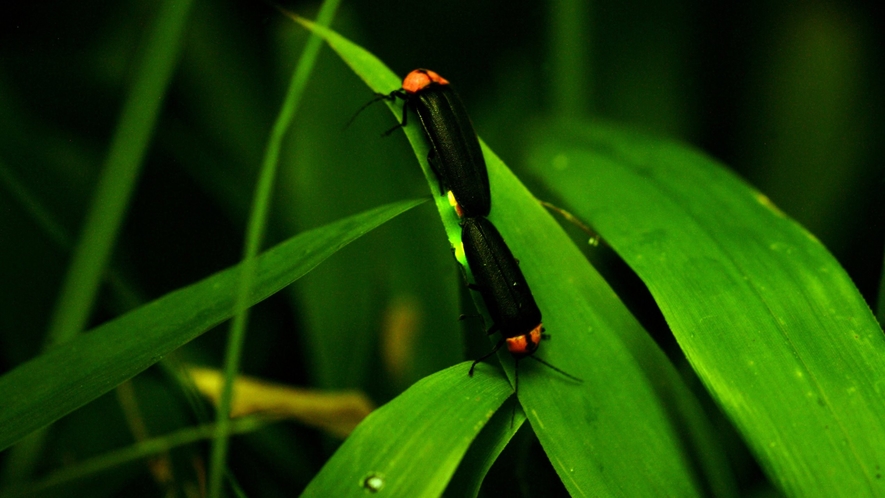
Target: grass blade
x=413 y=444
x=766 y=316
x=597 y=433
x=254 y=237
x=70 y=375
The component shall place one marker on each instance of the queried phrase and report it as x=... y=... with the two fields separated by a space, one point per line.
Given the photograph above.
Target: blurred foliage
x=787 y=94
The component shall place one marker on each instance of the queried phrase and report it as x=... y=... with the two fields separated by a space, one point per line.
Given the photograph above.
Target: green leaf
x=413 y=444
x=766 y=316
x=619 y=431
x=632 y=407
x=72 y=374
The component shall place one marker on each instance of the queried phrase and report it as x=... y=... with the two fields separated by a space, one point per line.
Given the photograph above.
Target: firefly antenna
x=570 y=376
x=378 y=96
x=594 y=237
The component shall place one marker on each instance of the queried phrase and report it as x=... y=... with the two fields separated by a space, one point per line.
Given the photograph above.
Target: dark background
x=788 y=95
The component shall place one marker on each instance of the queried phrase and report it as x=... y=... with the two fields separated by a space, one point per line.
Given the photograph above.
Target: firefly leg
x=497 y=347
x=405 y=113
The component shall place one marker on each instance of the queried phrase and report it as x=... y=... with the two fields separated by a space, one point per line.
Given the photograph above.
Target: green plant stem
x=254 y=235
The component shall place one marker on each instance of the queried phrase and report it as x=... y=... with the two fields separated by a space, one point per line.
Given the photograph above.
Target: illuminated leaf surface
x=599 y=432
x=766 y=316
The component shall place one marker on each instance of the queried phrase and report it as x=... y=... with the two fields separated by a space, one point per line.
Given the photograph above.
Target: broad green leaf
x=70 y=375
x=617 y=432
x=766 y=316
x=412 y=445
x=632 y=407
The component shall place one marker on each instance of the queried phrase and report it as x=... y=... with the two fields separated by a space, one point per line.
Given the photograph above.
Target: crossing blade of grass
x=412 y=445
x=74 y=373
x=767 y=317
x=254 y=239
x=631 y=409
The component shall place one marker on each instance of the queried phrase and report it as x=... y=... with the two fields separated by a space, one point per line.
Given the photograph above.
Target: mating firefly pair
x=456 y=158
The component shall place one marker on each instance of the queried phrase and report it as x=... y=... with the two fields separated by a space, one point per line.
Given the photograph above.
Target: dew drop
x=373 y=482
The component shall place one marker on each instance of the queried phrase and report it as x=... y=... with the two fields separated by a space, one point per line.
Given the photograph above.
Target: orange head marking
x=526 y=344
x=420 y=79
